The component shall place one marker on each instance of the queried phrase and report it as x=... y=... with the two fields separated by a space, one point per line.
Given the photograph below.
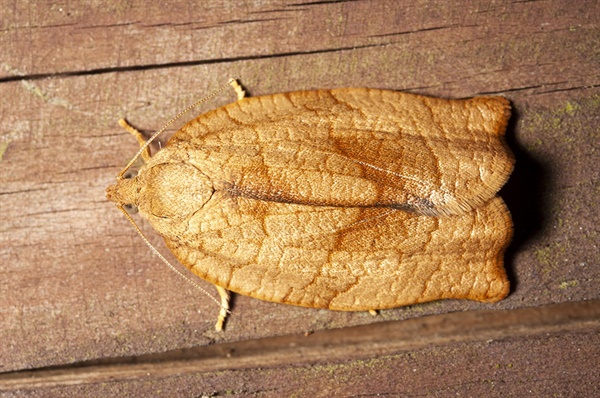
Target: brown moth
x=348 y=199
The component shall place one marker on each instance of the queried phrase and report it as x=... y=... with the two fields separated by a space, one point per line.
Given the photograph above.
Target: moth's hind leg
x=224 y=293
x=237 y=87
x=138 y=136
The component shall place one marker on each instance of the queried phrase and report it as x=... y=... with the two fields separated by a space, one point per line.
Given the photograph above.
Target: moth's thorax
x=172 y=190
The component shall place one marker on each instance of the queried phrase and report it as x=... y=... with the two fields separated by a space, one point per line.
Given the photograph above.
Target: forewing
x=346 y=258
x=355 y=147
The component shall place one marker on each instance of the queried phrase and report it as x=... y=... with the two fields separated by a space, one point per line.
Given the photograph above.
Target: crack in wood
x=134 y=68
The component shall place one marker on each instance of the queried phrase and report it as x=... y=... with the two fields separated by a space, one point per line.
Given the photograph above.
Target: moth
x=349 y=199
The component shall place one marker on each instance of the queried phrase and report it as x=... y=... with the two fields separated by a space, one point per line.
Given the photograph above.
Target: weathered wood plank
x=440 y=45
x=383 y=358
x=78 y=284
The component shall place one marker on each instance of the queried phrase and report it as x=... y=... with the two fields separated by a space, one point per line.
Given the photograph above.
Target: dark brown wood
x=78 y=284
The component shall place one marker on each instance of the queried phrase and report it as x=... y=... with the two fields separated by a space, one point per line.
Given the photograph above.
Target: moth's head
x=125 y=192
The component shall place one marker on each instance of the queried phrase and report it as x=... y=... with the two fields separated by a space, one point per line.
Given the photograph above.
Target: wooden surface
x=77 y=284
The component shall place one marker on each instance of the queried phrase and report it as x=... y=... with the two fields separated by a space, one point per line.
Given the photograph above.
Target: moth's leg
x=138 y=136
x=224 y=293
x=239 y=90
x=373 y=312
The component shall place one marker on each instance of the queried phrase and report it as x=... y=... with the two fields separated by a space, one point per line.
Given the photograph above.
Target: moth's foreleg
x=237 y=87
x=138 y=136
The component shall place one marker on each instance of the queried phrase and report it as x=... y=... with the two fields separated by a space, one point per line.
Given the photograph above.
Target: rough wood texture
x=78 y=284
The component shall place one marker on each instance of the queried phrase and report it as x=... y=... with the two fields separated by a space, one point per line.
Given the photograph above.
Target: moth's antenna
x=164 y=260
x=183 y=112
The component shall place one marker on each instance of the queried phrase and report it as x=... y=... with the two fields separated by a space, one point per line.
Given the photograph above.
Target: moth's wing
x=346 y=258
x=356 y=147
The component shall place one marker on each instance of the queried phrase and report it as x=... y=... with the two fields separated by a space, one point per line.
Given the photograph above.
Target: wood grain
x=78 y=285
